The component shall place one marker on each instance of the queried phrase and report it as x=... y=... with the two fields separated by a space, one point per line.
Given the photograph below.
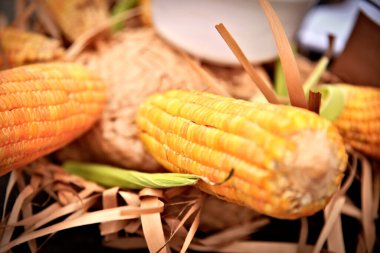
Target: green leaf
x=279 y=80
x=333 y=101
x=119 y=7
x=129 y=179
x=315 y=75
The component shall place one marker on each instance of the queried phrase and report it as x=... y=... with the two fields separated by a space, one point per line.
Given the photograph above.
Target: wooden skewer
x=264 y=87
x=292 y=75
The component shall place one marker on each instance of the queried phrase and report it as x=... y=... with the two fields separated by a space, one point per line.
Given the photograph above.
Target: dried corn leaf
x=334 y=214
x=23 y=13
x=77 y=209
x=335 y=241
x=75 y=17
x=368 y=220
x=179 y=212
x=109 y=200
x=264 y=87
x=292 y=75
x=152 y=226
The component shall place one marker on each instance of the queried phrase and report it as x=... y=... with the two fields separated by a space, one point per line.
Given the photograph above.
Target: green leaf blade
x=112 y=176
x=333 y=101
x=119 y=7
x=279 y=80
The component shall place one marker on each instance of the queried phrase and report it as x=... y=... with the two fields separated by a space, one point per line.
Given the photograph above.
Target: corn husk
x=147 y=213
x=75 y=17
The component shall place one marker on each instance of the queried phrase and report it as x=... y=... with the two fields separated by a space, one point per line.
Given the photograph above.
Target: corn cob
x=43 y=107
x=77 y=16
x=287 y=161
x=359 y=122
x=20 y=47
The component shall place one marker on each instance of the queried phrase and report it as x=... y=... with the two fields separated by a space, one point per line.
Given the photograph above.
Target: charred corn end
x=287 y=161
x=359 y=122
x=43 y=107
x=20 y=47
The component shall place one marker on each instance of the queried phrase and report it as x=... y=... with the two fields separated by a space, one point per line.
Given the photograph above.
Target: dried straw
x=156 y=215
x=264 y=87
x=161 y=220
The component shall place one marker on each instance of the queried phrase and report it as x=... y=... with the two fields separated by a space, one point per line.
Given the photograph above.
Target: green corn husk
x=109 y=176
x=120 y=7
x=332 y=98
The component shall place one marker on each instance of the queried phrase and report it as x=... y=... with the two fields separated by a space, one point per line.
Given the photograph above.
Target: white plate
x=190 y=25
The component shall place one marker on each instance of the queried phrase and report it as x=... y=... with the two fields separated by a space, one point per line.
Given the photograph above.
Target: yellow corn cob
x=20 y=47
x=77 y=16
x=287 y=161
x=43 y=107
x=359 y=122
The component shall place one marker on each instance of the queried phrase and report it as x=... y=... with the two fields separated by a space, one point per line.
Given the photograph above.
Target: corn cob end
x=314 y=171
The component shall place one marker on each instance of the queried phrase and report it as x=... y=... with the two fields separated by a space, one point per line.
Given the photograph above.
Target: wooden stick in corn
x=20 y=47
x=359 y=122
x=43 y=107
x=287 y=161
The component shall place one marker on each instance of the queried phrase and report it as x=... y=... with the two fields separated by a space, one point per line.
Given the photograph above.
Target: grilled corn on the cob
x=359 y=122
x=287 y=161
x=43 y=107
x=19 y=47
